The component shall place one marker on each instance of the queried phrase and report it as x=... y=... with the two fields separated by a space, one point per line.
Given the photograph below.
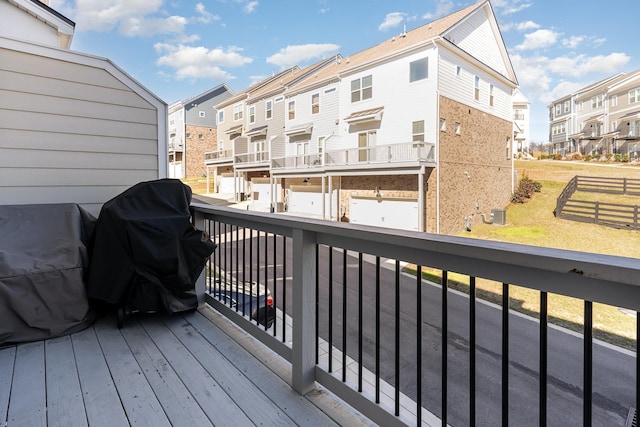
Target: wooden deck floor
x=180 y=370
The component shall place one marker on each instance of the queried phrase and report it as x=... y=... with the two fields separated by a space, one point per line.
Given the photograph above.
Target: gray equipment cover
x=43 y=258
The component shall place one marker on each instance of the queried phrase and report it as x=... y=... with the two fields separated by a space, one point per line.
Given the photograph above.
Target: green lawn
x=533 y=223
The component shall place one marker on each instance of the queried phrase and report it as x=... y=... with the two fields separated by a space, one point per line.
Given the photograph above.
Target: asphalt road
x=613 y=372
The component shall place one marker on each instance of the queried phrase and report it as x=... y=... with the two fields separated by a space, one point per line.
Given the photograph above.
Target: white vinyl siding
x=81 y=140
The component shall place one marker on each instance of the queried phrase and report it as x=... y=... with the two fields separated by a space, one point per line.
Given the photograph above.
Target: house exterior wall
x=18 y=24
x=404 y=102
x=477 y=36
x=325 y=122
x=460 y=86
x=482 y=151
x=200 y=140
x=74 y=128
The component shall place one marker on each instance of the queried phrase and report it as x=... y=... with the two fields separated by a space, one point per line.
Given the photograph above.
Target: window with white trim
x=238 y=112
x=419 y=69
x=202 y=114
x=567 y=106
x=220 y=116
x=596 y=101
x=292 y=110
x=252 y=114
x=634 y=95
x=269 y=110
x=362 y=89
x=315 y=103
x=417 y=131
x=614 y=100
x=443 y=125
x=491 y=95
x=477 y=88
x=558 y=109
x=458 y=70
x=458 y=128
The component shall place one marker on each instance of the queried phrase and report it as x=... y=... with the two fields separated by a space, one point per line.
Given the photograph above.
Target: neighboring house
x=193 y=132
x=74 y=127
x=414 y=133
x=521 y=123
x=34 y=21
x=596 y=119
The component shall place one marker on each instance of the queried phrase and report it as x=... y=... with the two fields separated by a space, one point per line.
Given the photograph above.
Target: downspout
x=324 y=198
x=421 y=199
x=330 y=197
x=437 y=154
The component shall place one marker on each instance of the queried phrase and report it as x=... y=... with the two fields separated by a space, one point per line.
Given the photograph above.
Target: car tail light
x=270 y=301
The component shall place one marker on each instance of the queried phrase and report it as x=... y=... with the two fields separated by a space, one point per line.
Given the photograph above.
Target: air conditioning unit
x=499 y=216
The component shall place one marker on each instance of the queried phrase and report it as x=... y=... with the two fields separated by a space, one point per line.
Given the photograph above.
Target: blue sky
x=180 y=48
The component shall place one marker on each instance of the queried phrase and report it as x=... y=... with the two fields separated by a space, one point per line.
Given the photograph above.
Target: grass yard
x=533 y=223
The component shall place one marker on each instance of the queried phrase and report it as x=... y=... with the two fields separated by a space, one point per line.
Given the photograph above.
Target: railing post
x=304 y=326
x=200 y=285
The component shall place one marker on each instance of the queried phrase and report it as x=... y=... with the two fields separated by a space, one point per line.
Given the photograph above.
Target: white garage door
x=225 y=184
x=309 y=203
x=391 y=213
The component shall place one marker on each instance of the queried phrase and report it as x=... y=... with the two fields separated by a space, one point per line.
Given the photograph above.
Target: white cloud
x=544 y=78
x=508 y=7
x=105 y=15
x=134 y=26
x=573 y=41
x=443 y=7
x=295 y=55
x=538 y=39
x=527 y=25
x=250 y=7
x=204 y=16
x=200 y=62
x=392 y=19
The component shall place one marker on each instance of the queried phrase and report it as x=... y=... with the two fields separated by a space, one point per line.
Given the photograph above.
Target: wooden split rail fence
x=608 y=214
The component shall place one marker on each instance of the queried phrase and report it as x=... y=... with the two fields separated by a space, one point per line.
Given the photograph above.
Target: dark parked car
x=249 y=299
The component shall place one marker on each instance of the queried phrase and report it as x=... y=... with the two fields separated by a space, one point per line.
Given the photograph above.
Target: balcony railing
x=382 y=154
x=220 y=156
x=176 y=146
x=249 y=159
x=352 y=316
x=298 y=162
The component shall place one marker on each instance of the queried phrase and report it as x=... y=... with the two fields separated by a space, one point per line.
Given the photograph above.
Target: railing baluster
x=284 y=290
x=266 y=278
x=419 y=344
x=444 y=347
x=377 y=329
x=360 y=259
x=244 y=268
x=543 y=357
x=505 y=354
x=275 y=282
x=250 y=270
x=472 y=351
x=397 y=344
x=588 y=363
x=317 y=261
x=237 y=269
x=344 y=315
x=637 y=362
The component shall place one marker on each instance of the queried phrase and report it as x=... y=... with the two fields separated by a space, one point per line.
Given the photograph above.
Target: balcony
x=256 y=160
x=176 y=146
x=346 y=309
x=300 y=162
x=410 y=154
x=218 y=157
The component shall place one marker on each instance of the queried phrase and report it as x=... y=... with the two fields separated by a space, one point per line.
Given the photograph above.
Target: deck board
x=158 y=370
x=7 y=359
x=178 y=403
x=64 y=395
x=102 y=402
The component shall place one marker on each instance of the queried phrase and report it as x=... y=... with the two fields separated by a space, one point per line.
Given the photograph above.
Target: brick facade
x=199 y=140
x=482 y=150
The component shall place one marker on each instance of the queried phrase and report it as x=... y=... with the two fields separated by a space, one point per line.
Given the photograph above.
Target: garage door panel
x=380 y=212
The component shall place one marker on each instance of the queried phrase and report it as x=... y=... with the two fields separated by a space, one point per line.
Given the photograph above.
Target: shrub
x=587 y=158
x=608 y=156
x=625 y=158
x=526 y=188
x=557 y=156
x=576 y=156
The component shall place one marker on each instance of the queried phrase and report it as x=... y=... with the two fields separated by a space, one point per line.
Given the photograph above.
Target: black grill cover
x=146 y=254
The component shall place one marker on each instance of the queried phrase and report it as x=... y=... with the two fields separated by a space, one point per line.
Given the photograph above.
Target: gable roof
x=242 y=95
x=204 y=96
x=409 y=41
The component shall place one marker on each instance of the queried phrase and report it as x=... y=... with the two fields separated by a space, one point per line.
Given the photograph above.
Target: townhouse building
x=598 y=119
x=193 y=132
x=521 y=123
x=413 y=133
